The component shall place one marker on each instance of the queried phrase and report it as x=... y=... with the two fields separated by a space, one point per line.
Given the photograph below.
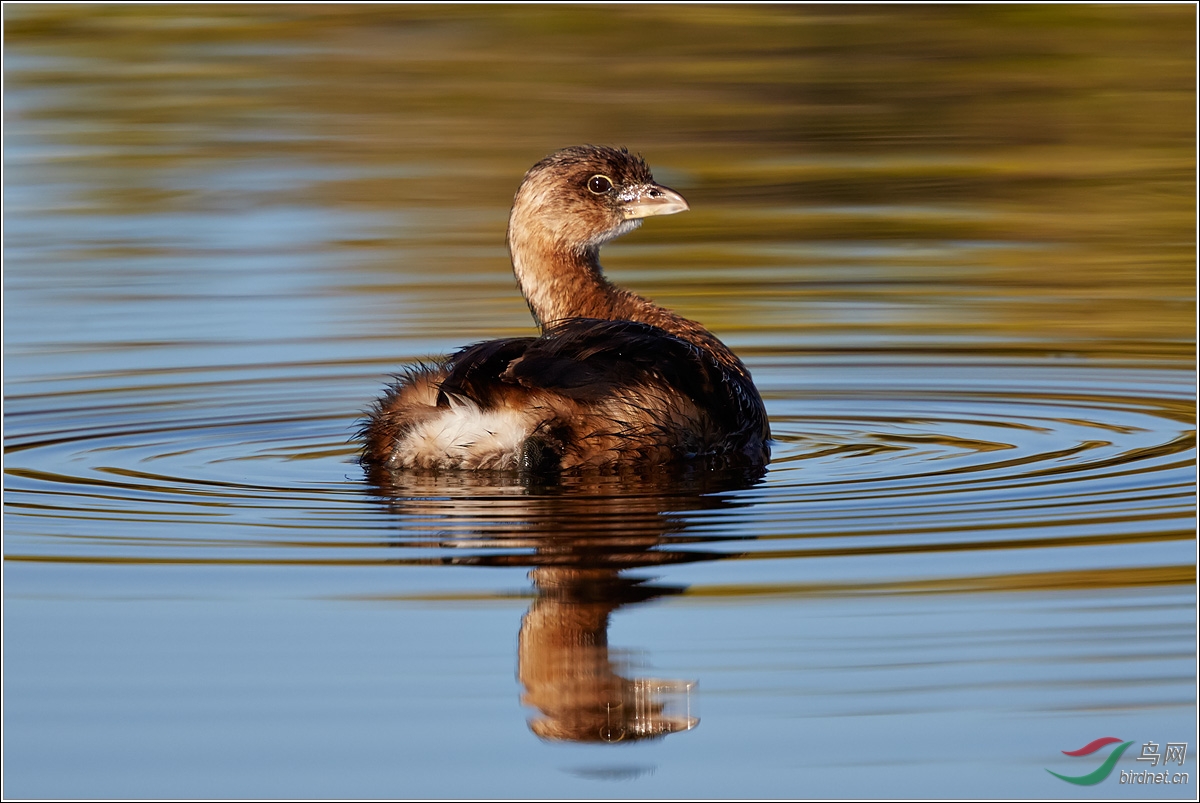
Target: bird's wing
x=588 y=360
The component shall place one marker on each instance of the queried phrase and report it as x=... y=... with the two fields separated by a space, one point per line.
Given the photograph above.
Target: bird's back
x=586 y=394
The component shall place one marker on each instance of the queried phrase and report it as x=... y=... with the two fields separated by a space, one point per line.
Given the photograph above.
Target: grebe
x=614 y=380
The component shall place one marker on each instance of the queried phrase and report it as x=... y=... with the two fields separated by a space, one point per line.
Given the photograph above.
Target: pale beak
x=651 y=199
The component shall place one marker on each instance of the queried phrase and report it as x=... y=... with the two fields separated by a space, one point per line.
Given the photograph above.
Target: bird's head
x=580 y=198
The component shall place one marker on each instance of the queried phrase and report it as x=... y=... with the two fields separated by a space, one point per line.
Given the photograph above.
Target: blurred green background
x=1054 y=143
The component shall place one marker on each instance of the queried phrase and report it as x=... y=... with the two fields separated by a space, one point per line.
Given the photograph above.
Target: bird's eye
x=599 y=184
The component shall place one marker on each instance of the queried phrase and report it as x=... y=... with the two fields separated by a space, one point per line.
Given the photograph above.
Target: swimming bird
x=613 y=380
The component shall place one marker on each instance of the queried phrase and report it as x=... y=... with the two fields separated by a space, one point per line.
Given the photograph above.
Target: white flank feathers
x=465 y=436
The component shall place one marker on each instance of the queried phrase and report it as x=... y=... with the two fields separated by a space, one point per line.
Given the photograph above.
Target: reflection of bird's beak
x=665 y=707
x=651 y=199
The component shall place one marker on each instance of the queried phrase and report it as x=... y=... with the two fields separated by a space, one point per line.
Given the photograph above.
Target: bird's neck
x=561 y=282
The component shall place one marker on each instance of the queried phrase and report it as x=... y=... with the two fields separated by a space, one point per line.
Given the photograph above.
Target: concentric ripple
x=872 y=460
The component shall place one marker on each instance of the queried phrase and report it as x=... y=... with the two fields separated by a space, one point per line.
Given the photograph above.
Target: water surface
x=955 y=246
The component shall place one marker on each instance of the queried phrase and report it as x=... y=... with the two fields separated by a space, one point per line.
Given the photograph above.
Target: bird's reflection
x=580 y=687
x=578 y=535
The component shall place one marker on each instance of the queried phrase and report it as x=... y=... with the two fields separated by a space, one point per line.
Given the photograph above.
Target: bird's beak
x=651 y=199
